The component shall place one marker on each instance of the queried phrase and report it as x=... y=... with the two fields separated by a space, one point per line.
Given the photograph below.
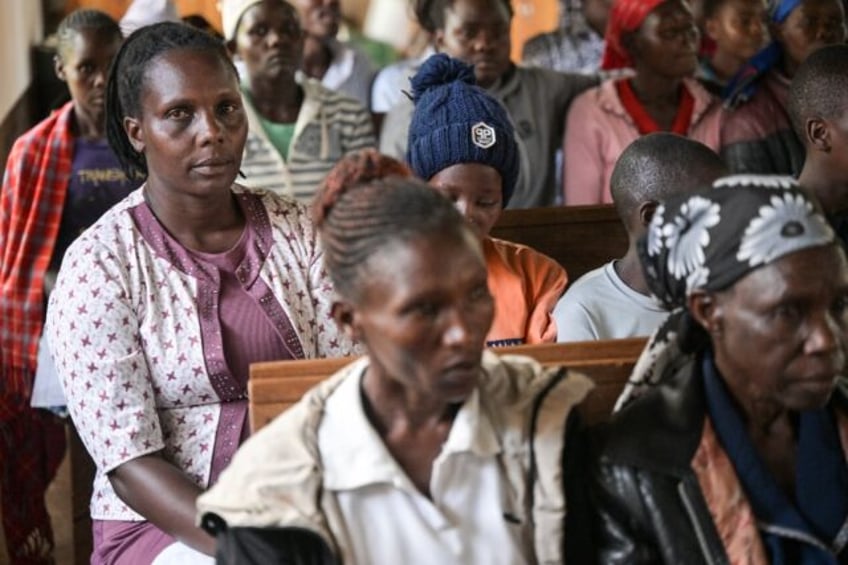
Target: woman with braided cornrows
x=427 y=450
x=60 y=177
x=162 y=305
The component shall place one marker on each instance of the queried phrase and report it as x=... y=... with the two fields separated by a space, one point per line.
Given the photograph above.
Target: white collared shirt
x=385 y=519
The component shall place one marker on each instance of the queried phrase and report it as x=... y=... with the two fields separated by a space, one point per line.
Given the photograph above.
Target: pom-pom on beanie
x=456 y=122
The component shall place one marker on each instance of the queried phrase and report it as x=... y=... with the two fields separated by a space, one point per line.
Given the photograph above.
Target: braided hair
x=127 y=80
x=84 y=19
x=431 y=13
x=367 y=202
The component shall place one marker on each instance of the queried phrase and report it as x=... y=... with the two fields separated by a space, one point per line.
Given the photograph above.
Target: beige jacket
x=276 y=477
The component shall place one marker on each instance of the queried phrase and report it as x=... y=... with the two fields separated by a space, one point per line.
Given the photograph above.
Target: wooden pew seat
x=276 y=385
x=580 y=238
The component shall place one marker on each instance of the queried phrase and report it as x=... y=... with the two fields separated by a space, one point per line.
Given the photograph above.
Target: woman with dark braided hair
x=60 y=177
x=428 y=450
x=162 y=305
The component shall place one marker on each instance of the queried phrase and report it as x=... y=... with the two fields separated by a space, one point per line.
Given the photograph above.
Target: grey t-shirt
x=599 y=305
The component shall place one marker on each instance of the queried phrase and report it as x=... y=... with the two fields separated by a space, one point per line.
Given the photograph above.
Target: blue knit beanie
x=456 y=122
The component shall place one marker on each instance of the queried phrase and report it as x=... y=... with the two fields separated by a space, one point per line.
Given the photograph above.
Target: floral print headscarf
x=710 y=240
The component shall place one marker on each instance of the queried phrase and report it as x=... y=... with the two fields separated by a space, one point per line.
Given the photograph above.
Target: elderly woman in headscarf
x=734 y=450
x=657 y=40
x=757 y=136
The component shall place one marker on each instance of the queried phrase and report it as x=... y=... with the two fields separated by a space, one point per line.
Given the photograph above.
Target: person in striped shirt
x=298 y=129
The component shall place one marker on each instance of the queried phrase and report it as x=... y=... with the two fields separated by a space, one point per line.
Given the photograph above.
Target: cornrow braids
x=79 y=20
x=127 y=80
x=359 y=167
x=431 y=13
x=358 y=218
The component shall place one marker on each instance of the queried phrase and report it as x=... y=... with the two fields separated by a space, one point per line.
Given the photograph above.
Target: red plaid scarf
x=37 y=173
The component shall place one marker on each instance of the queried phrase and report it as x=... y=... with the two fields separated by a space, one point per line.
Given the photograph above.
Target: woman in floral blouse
x=162 y=305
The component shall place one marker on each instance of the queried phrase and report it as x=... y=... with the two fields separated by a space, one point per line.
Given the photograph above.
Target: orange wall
x=116 y=8
x=532 y=17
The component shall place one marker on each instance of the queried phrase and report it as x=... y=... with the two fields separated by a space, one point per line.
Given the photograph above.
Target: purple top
x=96 y=184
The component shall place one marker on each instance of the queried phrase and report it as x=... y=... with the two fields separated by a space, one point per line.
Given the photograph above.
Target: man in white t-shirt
x=613 y=301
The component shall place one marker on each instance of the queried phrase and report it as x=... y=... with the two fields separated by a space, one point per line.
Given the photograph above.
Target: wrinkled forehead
x=809 y=278
x=415 y=256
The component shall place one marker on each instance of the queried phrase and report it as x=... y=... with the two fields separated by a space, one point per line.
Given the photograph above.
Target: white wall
x=390 y=21
x=20 y=28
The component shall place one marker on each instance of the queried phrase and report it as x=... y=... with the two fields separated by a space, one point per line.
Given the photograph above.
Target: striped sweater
x=328 y=126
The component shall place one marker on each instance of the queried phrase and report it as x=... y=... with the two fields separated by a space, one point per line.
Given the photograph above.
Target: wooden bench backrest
x=276 y=385
x=580 y=238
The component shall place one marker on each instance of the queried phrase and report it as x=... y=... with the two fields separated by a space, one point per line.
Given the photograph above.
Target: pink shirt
x=598 y=129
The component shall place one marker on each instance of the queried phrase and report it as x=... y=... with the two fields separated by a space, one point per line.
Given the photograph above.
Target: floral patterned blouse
x=134 y=327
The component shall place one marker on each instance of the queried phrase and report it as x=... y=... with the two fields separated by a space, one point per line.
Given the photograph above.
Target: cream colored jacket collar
x=276 y=478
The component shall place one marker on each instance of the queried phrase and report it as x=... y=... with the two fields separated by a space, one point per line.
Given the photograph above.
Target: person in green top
x=298 y=129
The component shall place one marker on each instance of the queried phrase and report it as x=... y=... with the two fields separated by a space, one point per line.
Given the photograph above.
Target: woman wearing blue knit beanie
x=537 y=100
x=462 y=142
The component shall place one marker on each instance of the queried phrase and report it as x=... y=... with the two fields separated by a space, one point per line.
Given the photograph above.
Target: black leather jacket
x=649 y=507
x=757 y=137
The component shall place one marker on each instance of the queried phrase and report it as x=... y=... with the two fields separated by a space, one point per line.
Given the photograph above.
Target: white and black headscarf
x=708 y=241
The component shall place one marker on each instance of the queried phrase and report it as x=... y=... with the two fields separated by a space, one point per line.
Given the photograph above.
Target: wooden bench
x=276 y=385
x=580 y=238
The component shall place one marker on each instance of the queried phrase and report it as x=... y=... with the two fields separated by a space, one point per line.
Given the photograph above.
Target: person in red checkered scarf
x=60 y=177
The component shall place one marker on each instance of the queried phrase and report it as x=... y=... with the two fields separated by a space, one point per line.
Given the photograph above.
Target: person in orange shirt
x=462 y=142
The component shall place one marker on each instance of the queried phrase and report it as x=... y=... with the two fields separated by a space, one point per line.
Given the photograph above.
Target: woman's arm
x=163 y=494
x=101 y=357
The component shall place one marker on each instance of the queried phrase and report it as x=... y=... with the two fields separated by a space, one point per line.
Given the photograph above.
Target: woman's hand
x=165 y=496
